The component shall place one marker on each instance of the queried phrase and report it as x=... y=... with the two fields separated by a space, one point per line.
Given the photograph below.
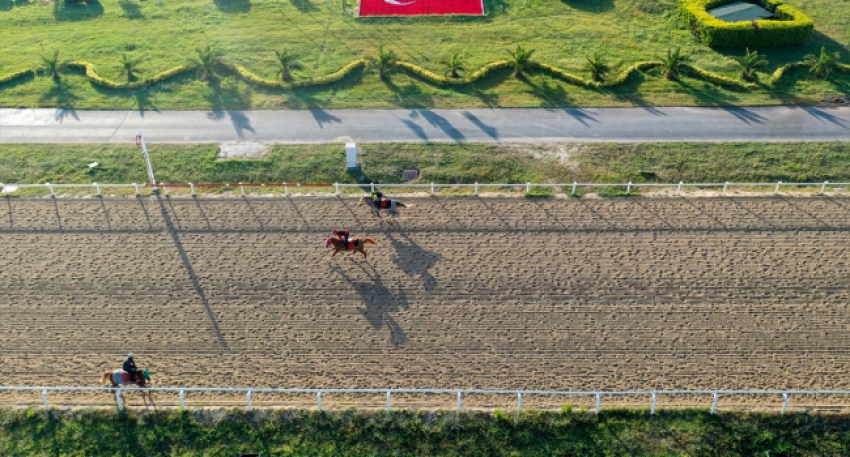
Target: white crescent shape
x=397 y=3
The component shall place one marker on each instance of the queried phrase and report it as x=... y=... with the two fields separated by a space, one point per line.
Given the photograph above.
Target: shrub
x=520 y=59
x=384 y=60
x=789 y=28
x=562 y=75
x=52 y=65
x=18 y=74
x=286 y=62
x=674 y=63
x=713 y=77
x=598 y=66
x=824 y=64
x=454 y=65
x=750 y=62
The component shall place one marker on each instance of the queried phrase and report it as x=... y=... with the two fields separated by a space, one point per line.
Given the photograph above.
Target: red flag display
x=420 y=7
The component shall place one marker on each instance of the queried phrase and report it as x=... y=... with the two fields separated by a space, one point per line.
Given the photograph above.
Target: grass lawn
x=295 y=433
x=326 y=37
x=438 y=162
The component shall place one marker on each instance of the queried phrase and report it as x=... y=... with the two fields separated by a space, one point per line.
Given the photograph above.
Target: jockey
x=343 y=236
x=130 y=367
x=378 y=197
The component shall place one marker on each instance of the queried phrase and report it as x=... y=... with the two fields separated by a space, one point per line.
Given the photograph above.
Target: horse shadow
x=413 y=260
x=379 y=301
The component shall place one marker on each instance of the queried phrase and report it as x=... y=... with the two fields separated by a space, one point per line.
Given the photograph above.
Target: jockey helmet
x=131 y=355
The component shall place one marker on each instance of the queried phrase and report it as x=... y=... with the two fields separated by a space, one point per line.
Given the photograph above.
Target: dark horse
x=121 y=377
x=390 y=206
x=355 y=245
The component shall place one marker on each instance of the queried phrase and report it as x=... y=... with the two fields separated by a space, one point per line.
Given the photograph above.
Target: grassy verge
x=437 y=162
x=614 y=432
x=326 y=36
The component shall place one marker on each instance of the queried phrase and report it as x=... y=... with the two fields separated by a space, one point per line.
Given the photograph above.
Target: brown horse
x=119 y=377
x=355 y=245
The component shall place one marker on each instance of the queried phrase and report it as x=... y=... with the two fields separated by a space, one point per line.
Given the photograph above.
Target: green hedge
x=716 y=78
x=19 y=74
x=790 y=28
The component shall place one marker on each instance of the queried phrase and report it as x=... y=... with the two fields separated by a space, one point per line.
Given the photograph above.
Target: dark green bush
x=789 y=28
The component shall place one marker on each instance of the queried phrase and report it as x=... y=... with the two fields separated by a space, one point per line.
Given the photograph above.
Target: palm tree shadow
x=552 y=95
x=413 y=260
x=233 y=6
x=379 y=302
x=59 y=96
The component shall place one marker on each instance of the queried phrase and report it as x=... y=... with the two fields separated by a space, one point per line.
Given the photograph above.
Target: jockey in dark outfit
x=379 y=199
x=130 y=367
x=343 y=236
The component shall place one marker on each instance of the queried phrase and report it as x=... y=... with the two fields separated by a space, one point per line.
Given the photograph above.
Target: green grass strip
x=437 y=162
x=301 y=433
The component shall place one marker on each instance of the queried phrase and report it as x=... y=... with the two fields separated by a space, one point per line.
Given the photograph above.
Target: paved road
x=484 y=125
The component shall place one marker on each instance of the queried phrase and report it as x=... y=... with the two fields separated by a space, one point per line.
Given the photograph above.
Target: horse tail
x=370 y=241
x=402 y=204
x=104 y=380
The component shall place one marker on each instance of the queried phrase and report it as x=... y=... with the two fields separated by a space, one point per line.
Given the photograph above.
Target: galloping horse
x=355 y=245
x=390 y=206
x=121 y=377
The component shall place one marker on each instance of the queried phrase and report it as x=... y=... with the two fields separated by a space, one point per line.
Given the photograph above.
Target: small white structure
x=351 y=156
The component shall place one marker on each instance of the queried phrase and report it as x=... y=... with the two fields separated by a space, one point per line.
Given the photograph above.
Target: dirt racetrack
x=513 y=293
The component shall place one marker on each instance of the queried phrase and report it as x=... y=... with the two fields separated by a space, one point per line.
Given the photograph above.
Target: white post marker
x=389 y=400
x=44 y=398
x=823 y=186
x=714 y=405
x=776 y=191
x=250 y=406
x=118 y=400
x=574 y=188
x=459 y=400
x=598 y=403
x=654 y=399
x=725 y=185
x=629 y=188
x=519 y=401
x=785 y=403
x=182 y=400
x=319 y=399
x=140 y=141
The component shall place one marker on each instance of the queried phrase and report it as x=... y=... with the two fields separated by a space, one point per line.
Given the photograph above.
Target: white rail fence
x=520 y=394
x=434 y=187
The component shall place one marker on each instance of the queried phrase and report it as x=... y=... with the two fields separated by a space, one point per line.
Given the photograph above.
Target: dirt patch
x=243 y=150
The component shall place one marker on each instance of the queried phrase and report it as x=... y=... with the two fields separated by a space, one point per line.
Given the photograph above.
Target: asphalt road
x=776 y=123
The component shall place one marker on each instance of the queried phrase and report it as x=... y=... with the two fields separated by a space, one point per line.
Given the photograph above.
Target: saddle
x=122 y=375
x=384 y=204
x=352 y=244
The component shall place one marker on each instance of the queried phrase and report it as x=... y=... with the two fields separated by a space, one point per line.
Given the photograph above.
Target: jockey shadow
x=379 y=302
x=413 y=260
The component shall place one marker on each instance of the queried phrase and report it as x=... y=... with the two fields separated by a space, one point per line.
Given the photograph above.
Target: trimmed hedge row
x=419 y=72
x=717 y=78
x=789 y=28
x=318 y=81
x=13 y=76
x=95 y=79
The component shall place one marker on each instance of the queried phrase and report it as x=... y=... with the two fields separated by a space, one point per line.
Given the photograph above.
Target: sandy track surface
x=615 y=294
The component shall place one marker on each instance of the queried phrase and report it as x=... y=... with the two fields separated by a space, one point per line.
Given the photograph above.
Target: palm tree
x=130 y=67
x=520 y=59
x=208 y=60
x=750 y=62
x=598 y=65
x=53 y=65
x=824 y=64
x=385 y=60
x=454 y=65
x=286 y=61
x=674 y=63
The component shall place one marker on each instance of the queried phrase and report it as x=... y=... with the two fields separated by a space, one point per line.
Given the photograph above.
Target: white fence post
x=44 y=398
x=285 y=190
x=248 y=397
x=432 y=189
x=336 y=186
x=140 y=140
x=389 y=400
x=598 y=402
x=97 y=188
x=574 y=188
x=679 y=189
x=823 y=186
x=319 y=399
x=725 y=185
x=192 y=186
x=242 y=188
x=527 y=188
x=118 y=400
x=476 y=189
x=785 y=403
x=776 y=191
x=51 y=189
x=137 y=189
x=164 y=189
x=459 y=400
x=654 y=399
x=519 y=401
x=372 y=185
x=182 y=400
x=714 y=405
x=629 y=188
